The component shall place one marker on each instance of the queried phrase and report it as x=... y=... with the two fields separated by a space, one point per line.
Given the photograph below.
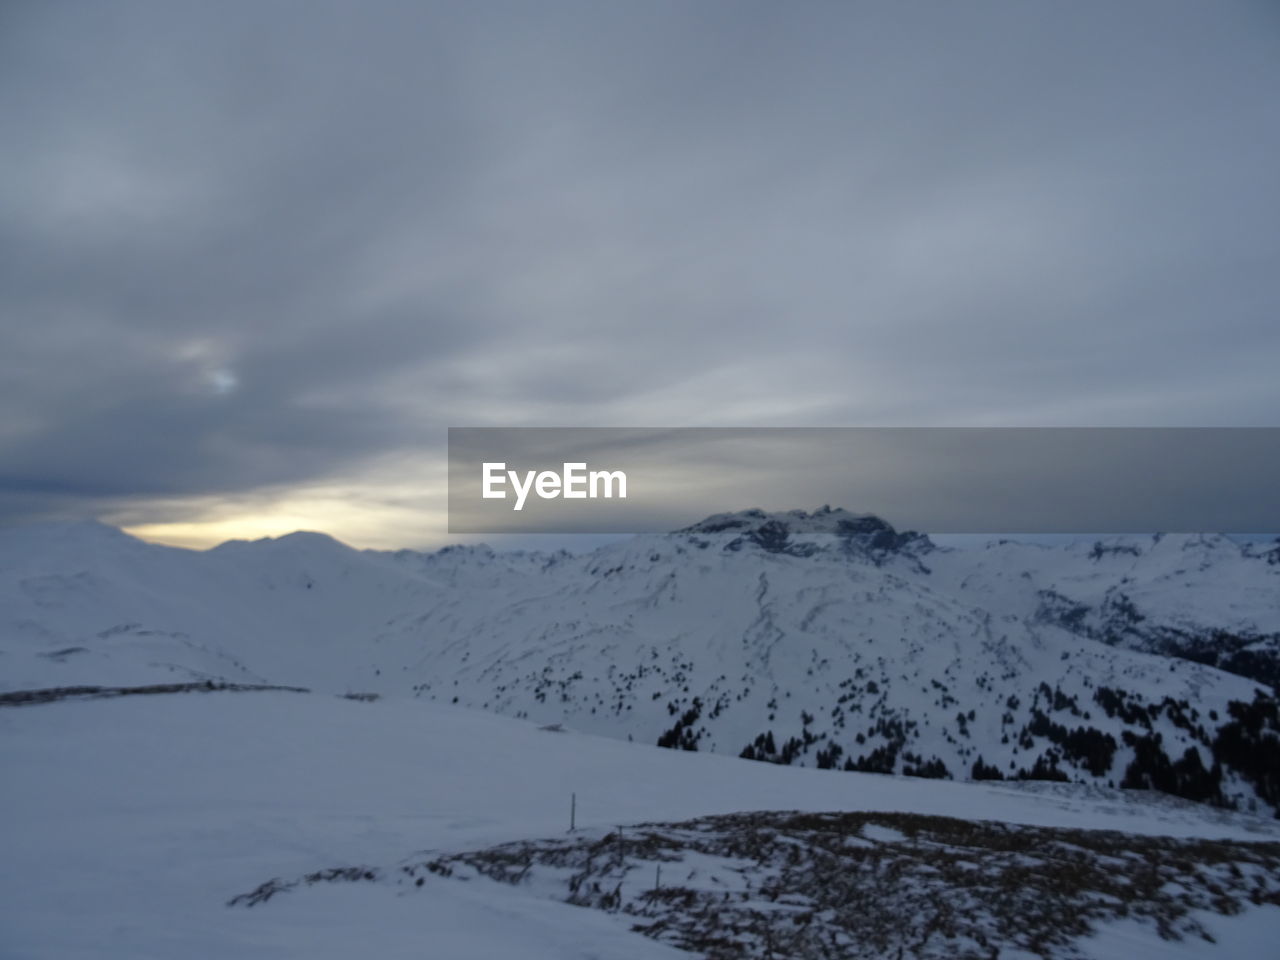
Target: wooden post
x=573 y=811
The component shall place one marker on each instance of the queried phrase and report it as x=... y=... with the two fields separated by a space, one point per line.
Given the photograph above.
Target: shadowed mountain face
x=792 y=532
x=823 y=639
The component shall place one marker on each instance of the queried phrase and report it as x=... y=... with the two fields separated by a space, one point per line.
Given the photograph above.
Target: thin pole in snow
x=573 y=811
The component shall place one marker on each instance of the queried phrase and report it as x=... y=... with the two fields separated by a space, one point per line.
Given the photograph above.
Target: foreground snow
x=130 y=822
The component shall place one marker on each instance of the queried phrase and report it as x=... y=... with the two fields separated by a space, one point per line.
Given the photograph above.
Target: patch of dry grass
x=824 y=886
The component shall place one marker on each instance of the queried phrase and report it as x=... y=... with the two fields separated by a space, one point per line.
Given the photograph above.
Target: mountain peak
x=308 y=537
x=308 y=541
x=68 y=532
x=823 y=520
x=772 y=531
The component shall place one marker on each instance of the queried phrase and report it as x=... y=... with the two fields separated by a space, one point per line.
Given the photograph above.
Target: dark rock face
x=721 y=522
x=1273 y=555
x=1118 y=622
x=875 y=536
x=770 y=536
x=857 y=535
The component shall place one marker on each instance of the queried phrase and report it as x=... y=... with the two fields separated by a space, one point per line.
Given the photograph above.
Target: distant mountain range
x=821 y=639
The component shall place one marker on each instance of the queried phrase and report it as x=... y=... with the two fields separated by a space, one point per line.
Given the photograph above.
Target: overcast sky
x=255 y=257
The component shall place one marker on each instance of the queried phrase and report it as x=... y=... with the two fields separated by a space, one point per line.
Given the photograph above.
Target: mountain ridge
x=823 y=639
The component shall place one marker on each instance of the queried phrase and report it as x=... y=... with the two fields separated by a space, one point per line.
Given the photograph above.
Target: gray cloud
x=251 y=244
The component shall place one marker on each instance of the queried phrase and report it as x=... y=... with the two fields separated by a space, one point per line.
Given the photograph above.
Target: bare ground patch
x=863 y=885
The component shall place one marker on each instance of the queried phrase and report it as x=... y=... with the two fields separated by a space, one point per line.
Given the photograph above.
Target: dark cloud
x=253 y=244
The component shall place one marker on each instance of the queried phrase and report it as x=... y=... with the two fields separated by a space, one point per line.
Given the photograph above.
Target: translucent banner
x=1001 y=480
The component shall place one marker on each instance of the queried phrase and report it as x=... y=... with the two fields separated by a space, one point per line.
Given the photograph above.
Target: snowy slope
x=129 y=823
x=810 y=639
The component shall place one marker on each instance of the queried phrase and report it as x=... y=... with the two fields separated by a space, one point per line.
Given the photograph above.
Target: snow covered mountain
x=817 y=639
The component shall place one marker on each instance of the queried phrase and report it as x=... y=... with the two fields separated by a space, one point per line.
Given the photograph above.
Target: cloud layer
x=253 y=250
